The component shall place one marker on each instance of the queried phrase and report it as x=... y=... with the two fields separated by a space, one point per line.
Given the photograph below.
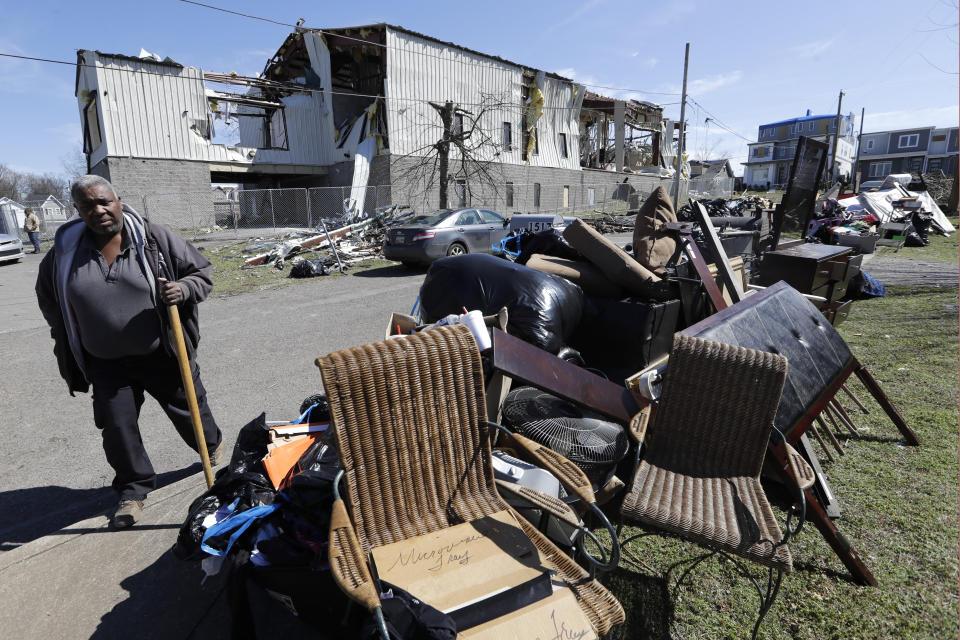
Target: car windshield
x=429 y=220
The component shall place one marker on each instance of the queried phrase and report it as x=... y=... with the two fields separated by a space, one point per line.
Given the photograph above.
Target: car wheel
x=456 y=249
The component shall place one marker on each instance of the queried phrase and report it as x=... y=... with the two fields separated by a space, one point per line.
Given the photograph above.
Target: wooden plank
x=693 y=253
x=818 y=516
x=874 y=388
x=734 y=287
x=538 y=368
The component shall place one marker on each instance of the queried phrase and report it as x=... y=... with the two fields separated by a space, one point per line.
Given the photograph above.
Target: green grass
x=899 y=504
x=940 y=249
x=231 y=277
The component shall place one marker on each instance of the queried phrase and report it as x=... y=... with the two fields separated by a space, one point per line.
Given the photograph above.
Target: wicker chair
x=410 y=421
x=700 y=476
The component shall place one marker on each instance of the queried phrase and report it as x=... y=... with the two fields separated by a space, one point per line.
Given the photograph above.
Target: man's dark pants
x=35 y=239
x=118 y=388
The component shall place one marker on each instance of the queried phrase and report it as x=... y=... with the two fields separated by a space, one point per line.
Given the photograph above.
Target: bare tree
x=20 y=185
x=474 y=161
x=74 y=163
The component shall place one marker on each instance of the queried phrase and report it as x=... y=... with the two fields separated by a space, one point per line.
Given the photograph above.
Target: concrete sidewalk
x=89 y=581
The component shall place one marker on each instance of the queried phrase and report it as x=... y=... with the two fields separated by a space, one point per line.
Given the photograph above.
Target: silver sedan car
x=11 y=247
x=451 y=232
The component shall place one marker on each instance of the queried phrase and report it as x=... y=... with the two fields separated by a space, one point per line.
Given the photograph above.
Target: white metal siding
x=420 y=70
x=147 y=110
x=309 y=120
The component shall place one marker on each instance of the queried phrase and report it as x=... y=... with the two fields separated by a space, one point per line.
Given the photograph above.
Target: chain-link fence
x=263 y=211
x=51 y=214
x=252 y=212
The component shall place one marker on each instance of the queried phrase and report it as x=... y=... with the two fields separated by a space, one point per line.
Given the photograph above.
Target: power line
x=237 y=13
x=292 y=87
x=719 y=122
x=949 y=73
x=405 y=51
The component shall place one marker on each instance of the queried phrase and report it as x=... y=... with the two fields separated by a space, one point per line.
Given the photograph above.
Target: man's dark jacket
x=159 y=252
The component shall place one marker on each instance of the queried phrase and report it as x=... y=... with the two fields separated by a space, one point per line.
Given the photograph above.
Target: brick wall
x=133 y=178
x=586 y=190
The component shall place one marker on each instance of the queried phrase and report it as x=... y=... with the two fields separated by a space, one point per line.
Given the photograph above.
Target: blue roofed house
x=918 y=150
x=769 y=158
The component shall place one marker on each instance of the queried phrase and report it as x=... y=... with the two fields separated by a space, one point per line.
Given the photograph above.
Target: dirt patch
x=894 y=271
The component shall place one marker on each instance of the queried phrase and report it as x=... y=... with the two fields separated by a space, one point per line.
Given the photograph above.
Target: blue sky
x=750 y=62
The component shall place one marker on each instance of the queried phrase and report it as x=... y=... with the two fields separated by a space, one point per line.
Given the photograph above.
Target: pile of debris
x=891 y=214
x=563 y=324
x=345 y=245
x=938 y=186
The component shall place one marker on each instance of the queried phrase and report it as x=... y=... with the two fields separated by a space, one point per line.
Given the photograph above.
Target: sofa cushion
x=580 y=272
x=652 y=247
x=615 y=263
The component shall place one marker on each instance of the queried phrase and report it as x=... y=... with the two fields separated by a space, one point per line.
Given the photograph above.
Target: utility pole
x=836 y=143
x=683 y=129
x=856 y=163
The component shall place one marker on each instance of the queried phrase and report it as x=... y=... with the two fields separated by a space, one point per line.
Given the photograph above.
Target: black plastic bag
x=544 y=309
x=549 y=243
x=921 y=221
x=408 y=618
x=308 y=269
x=318 y=406
x=243 y=480
x=913 y=239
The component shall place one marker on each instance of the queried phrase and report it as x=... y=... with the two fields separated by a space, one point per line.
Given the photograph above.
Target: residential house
x=770 y=157
x=920 y=150
x=48 y=207
x=352 y=107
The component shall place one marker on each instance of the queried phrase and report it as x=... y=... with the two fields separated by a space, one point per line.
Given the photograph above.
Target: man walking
x=103 y=290
x=31 y=224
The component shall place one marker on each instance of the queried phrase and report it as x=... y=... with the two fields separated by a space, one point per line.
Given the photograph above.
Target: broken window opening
x=563 y=145
x=461 y=188
x=509 y=194
x=275 y=129
x=536 y=195
x=249 y=120
x=507 y=136
x=92 y=138
x=458 y=124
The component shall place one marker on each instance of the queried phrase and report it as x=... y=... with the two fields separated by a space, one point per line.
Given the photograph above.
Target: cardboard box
x=558 y=616
x=473 y=572
x=406 y=323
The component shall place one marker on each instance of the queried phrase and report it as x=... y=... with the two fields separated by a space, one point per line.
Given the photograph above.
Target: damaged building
x=373 y=105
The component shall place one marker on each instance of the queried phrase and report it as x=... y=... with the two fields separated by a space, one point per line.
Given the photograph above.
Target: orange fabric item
x=279 y=461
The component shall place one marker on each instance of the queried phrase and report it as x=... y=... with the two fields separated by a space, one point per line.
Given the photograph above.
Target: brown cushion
x=590 y=279
x=614 y=262
x=652 y=247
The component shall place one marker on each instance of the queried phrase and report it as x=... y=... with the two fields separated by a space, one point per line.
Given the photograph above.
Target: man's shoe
x=217 y=454
x=128 y=512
